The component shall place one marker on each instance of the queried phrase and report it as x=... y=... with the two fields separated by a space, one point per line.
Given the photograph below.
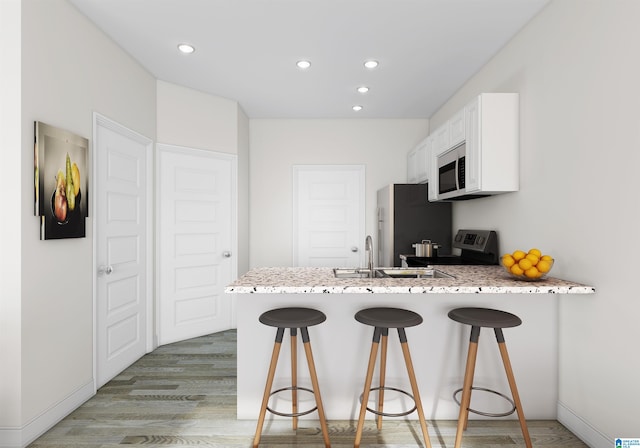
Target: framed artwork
x=61 y=184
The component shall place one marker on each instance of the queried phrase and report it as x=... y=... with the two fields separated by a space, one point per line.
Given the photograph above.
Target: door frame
x=363 y=206
x=105 y=122
x=233 y=158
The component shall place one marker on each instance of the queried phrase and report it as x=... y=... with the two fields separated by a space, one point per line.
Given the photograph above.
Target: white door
x=329 y=203
x=122 y=247
x=196 y=241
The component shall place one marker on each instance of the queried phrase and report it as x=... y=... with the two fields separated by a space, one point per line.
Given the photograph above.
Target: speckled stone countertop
x=468 y=279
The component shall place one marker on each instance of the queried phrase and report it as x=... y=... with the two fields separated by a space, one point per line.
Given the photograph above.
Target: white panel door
x=196 y=259
x=328 y=215
x=123 y=236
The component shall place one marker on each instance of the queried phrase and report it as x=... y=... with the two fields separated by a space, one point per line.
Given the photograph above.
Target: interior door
x=328 y=215
x=123 y=243
x=196 y=241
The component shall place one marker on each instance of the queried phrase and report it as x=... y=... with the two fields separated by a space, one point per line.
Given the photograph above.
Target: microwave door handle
x=456 y=174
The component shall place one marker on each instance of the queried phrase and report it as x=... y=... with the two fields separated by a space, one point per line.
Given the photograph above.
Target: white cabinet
x=441 y=138
x=492 y=143
x=489 y=128
x=418 y=162
x=456 y=128
x=412 y=158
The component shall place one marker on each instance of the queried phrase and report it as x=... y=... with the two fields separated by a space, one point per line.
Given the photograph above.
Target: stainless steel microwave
x=451 y=172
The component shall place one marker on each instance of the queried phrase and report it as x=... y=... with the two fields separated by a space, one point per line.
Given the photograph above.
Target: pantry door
x=123 y=244
x=197 y=244
x=329 y=215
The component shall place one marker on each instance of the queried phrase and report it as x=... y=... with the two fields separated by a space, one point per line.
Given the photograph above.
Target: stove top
x=451 y=260
x=478 y=247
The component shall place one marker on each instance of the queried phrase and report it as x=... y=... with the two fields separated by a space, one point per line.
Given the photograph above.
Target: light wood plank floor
x=183 y=395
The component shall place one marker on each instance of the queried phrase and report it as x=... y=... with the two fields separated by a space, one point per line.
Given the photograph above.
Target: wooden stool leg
x=267 y=388
x=414 y=386
x=294 y=377
x=465 y=401
x=383 y=370
x=512 y=385
x=367 y=385
x=315 y=386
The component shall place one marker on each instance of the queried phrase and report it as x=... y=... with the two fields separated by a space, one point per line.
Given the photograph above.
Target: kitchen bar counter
x=438 y=346
x=468 y=279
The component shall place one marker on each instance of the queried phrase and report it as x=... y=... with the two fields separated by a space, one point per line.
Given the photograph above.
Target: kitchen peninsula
x=438 y=346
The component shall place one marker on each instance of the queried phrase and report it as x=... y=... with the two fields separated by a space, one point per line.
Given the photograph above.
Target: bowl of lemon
x=529 y=266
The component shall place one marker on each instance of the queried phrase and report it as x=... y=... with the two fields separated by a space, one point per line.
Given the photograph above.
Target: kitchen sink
x=426 y=272
x=351 y=273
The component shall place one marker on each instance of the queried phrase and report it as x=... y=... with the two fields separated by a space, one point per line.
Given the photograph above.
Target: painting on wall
x=61 y=184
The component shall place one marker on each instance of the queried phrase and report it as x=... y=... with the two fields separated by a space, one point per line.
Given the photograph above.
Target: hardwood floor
x=184 y=394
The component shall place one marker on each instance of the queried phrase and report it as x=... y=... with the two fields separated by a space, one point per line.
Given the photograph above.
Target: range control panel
x=485 y=241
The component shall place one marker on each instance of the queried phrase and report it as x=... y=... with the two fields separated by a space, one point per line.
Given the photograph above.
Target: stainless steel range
x=478 y=247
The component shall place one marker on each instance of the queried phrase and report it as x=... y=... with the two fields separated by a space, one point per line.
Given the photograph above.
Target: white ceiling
x=246 y=50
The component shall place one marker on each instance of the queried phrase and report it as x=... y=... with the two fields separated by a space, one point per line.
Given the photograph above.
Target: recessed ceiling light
x=371 y=64
x=303 y=64
x=357 y=108
x=186 y=48
x=363 y=89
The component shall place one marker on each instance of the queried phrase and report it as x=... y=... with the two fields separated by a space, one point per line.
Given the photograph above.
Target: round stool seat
x=292 y=317
x=485 y=317
x=388 y=317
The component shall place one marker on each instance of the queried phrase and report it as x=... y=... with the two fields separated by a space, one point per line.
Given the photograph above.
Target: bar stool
x=496 y=319
x=292 y=318
x=383 y=319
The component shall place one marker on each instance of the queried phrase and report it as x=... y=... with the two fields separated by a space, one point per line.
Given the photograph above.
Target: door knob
x=354 y=249
x=105 y=270
x=226 y=254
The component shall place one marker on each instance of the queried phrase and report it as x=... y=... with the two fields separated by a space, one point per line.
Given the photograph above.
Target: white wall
x=278 y=145
x=69 y=70
x=577 y=73
x=243 y=192
x=10 y=229
x=187 y=117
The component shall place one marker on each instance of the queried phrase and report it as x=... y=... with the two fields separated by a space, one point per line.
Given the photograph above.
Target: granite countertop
x=468 y=279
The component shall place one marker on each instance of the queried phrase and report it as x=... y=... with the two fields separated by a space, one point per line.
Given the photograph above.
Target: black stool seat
x=485 y=317
x=388 y=317
x=292 y=317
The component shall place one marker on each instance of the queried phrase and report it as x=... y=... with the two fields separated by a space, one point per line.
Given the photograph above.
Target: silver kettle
x=426 y=249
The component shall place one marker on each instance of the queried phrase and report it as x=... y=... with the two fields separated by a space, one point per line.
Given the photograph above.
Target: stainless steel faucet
x=368 y=248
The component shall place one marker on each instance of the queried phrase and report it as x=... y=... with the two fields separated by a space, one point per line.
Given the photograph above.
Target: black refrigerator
x=405 y=217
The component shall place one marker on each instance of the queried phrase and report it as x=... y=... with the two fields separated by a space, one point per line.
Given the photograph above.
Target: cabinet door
x=473 y=147
x=412 y=159
x=441 y=139
x=433 y=174
x=456 y=128
x=422 y=161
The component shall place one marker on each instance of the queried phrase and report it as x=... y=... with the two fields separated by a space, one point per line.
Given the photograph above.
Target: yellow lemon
x=508 y=261
x=544 y=266
x=518 y=255
x=532 y=272
x=533 y=258
x=546 y=258
x=535 y=252
x=525 y=264
x=516 y=270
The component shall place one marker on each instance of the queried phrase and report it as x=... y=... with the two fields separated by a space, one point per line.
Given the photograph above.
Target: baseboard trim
x=23 y=436
x=583 y=429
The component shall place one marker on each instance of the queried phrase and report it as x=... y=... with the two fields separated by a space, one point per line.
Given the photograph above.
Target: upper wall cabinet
x=456 y=128
x=418 y=162
x=481 y=156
